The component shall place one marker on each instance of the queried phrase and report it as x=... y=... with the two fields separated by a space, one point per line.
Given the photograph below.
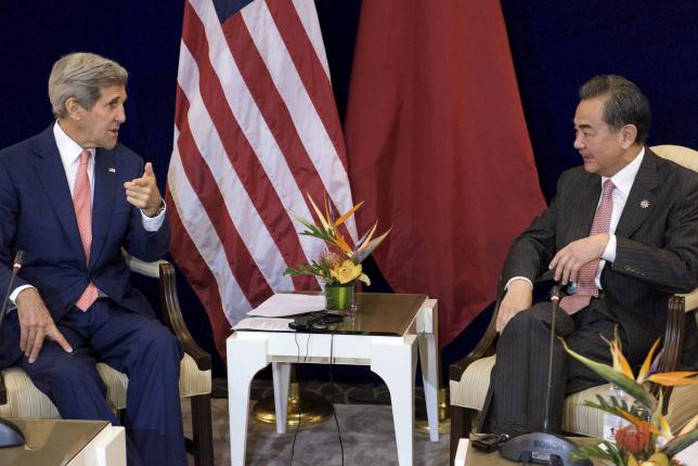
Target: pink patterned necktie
x=586 y=286
x=82 y=201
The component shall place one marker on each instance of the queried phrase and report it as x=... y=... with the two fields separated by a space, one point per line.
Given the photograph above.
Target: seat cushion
x=471 y=391
x=25 y=400
x=577 y=418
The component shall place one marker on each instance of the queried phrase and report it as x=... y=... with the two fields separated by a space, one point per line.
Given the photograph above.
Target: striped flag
x=256 y=128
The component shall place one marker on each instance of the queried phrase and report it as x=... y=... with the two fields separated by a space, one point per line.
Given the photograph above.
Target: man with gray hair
x=621 y=235
x=71 y=198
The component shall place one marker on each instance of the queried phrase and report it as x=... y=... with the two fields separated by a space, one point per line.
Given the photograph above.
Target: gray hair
x=625 y=103
x=82 y=76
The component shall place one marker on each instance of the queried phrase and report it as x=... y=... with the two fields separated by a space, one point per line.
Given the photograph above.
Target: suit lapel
x=51 y=173
x=584 y=208
x=641 y=198
x=103 y=204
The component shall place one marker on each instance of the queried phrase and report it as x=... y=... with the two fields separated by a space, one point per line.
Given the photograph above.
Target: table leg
x=428 y=362
x=281 y=375
x=396 y=364
x=245 y=359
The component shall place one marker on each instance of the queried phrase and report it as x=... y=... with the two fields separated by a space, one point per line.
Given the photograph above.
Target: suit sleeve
x=9 y=209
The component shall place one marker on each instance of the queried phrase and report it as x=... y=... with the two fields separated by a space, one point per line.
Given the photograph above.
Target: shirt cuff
x=154 y=223
x=16 y=292
x=506 y=287
x=609 y=253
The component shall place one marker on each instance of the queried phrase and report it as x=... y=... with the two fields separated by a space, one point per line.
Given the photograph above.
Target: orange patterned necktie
x=586 y=286
x=82 y=202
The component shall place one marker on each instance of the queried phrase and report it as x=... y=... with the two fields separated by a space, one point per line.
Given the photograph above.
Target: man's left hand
x=572 y=257
x=143 y=192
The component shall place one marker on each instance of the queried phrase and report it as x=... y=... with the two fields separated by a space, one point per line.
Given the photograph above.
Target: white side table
x=385 y=334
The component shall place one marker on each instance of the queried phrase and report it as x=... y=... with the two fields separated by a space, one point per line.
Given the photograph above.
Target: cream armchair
x=20 y=398
x=470 y=377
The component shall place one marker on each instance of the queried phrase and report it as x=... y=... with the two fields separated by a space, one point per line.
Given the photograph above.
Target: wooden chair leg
x=457 y=423
x=202 y=430
x=461 y=425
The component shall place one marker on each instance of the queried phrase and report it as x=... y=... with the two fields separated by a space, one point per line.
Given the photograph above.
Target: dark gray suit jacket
x=657 y=249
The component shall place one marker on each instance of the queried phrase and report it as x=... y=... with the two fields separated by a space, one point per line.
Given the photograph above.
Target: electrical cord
x=298 y=380
x=334 y=412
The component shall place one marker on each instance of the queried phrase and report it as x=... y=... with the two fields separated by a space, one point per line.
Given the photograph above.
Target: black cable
x=295 y=434
x=332 y=387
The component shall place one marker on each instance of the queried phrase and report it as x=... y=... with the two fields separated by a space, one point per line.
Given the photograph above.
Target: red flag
x=256 y=128
x=438 y=148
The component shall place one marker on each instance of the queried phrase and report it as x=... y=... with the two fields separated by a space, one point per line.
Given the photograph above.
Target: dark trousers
x=515 y=403
x=134 y=344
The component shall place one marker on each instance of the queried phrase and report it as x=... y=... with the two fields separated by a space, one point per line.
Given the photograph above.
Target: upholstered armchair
x=470 y=377
x=20 y=398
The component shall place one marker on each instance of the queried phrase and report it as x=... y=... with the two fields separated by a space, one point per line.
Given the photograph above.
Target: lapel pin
x=112 y=170
x=644 y=203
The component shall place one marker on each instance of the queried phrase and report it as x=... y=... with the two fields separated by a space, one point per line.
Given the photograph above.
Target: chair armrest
x=3 y=390
x=485 y=347
x=670 y=358
x=678 y=308
x=169 y=302
x=172 y=313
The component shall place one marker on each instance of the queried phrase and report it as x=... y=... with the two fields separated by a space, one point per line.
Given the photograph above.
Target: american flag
x=256 y=128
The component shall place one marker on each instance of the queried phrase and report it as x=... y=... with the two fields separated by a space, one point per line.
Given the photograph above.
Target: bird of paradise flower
x=645 y=441
x=341 y=263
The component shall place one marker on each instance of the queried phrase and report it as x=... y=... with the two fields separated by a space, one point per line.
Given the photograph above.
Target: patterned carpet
x=365 y=425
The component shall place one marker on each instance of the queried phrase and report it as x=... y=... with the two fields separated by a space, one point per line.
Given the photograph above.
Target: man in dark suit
x=619 y=254
x=71 y=198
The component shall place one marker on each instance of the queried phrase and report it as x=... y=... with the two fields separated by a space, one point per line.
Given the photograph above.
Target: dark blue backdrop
x=556 y=46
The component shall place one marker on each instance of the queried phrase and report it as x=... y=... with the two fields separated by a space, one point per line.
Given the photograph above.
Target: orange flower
x=633 y=439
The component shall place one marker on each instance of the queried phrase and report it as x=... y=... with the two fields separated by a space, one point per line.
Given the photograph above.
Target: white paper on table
x=288 y=304
x=264 y=324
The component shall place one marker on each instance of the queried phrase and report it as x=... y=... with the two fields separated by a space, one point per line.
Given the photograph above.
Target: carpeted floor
x=365 y=425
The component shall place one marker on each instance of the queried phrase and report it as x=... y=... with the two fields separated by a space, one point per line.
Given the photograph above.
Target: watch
x=160 y=210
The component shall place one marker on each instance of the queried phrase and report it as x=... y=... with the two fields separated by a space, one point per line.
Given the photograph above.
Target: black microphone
x=10 y=434
x=544 y=447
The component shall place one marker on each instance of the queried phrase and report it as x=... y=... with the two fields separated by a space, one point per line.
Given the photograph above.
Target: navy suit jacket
x=37 y=216
x=657 y=244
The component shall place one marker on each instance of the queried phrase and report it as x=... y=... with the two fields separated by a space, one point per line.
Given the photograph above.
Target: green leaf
x=680 y=442
x=368 y=249
x=628 y=385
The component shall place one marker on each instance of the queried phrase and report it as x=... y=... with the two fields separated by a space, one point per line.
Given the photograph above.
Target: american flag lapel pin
x=644 y=203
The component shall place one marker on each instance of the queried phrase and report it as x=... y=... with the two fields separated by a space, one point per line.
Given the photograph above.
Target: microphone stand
x=10 y=434
x=544 y=447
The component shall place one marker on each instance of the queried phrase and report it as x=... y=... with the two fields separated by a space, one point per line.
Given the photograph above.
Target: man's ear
x=73 y=109
x=628 y=135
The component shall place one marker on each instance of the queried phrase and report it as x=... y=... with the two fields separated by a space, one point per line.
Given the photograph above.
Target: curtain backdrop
x=438 y=149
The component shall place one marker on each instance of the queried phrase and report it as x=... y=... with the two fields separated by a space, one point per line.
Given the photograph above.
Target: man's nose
x=121 y=115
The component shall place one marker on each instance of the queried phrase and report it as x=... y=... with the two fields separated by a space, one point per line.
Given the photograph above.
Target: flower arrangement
x=340 y=264
x=647 y=439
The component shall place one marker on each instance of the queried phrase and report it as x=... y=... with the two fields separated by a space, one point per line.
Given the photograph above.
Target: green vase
x=339 y=297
